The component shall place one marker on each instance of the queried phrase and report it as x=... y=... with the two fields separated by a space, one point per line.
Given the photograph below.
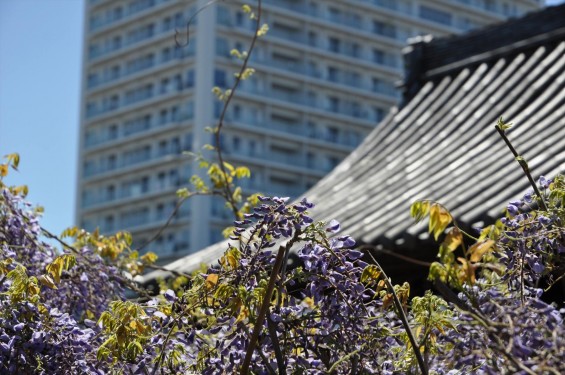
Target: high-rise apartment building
x=325 y=76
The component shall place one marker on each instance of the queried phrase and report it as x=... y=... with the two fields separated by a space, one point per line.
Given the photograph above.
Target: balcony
x=117 y=14
x=155 y=188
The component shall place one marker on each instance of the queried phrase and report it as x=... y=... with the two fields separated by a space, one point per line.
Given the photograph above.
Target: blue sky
x=40 y=60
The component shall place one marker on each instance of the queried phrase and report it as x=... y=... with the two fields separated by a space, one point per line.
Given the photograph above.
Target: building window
x=377 y=84
x=239 y=19
x=188 y=144
x=175 y=146
x=236 y=112
x=167 y=24
x=166 y=54
x=333 y=104
x=162 y=148
x=236 y=143
x=110 y=192
x=379 y=114
x=113 y=132
x=92 y=79
x=335 y=15
x=383 y=28
x=332 y=162
x=310 y=160
x=222 y=47
x=355 y=50
x=333 y=134
x=219 y=78
x=179 y=20
x=312 y=38
x=108 y=223
x=218 y=107
x=378 y=56
x=333 y=74
x=334 y=44
x=118 y=13
x=165 y=85
x=223 y=16
x=111 y=162
x=190 y=78
x=163 y=116
x=160 y=211
x=435 y=15
x=178 y=82
x=162 y=180
x=116 y=42
x=174 y=177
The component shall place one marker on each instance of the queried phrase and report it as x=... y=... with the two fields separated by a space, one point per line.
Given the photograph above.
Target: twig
x=404 y=319
x=63 y=243
x=262 y=355
x=227 y=188
x=341 y=360
x=276 y=346
x=266 y=303
x=177 y=33
x=522 y=163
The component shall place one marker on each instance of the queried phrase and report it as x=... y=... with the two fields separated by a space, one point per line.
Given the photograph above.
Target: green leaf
x=13 y=160
x=47 y=281
x=241 y=172
x=503 y=125
x=439 y=220
x=370 y=273
x=183 y=193
x=419 y=210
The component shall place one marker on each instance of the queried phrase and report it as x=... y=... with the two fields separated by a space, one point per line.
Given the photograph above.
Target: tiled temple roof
x=442 y=145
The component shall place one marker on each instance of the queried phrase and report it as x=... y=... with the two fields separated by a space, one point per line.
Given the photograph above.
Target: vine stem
x=266 y=303
x=227 y=188
x=522 y=163
x=404 y=319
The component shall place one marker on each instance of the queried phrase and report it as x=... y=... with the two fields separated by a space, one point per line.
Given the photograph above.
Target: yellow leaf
x=32 y=289
x=479 y=249
x=231 y=261
x=47 y=281
x=3 y=170
x=467 y=271
x=211 y=280
x=55 y=269
x=121 y=335
x=149 y=258
x=263 y=30
x=241 y=172
x=453 y=239
x=439 y=220
x=14 y=160
x=228 y=166
x=309 y=302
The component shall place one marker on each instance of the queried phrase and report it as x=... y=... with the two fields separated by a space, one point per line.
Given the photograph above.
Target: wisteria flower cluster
x=336 y=312
x=47 y=327
x=534 y=239
x=322 y=316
